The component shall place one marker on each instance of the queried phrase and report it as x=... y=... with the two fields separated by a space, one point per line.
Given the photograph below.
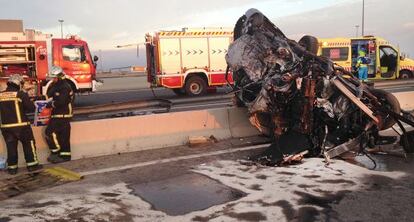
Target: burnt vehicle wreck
x=305 y=102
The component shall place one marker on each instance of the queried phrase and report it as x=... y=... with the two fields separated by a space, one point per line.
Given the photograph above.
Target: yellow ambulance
x=385 y=60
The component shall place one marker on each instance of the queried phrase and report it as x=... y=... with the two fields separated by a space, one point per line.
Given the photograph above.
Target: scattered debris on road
x=196 y=141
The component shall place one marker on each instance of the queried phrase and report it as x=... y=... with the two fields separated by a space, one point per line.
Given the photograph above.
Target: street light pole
x=100 y=59
x=356 y=30
x=61 y=27
x=363 y=17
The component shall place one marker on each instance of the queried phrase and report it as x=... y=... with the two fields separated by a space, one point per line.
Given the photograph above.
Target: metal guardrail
x=393 y=83
x=123 y=106
x=140 y=107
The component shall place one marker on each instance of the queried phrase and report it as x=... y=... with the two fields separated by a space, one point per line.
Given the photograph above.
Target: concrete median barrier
x=119 y=135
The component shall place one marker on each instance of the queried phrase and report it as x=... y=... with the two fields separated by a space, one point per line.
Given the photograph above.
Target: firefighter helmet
x=16 y=79
x=56 y=72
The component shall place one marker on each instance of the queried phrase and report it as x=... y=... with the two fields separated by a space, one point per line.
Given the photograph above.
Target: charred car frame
x=303 y=101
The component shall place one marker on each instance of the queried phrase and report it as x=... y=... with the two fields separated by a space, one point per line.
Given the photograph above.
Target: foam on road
x=311 y=191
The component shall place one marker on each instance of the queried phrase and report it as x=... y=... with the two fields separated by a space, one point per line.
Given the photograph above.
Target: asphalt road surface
x=126 y=89
x=209 y=184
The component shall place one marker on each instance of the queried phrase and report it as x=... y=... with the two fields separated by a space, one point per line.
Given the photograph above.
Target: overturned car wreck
x=305 y=102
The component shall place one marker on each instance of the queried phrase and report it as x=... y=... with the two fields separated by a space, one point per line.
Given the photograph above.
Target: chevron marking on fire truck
x=407 y=67
x=178 y=33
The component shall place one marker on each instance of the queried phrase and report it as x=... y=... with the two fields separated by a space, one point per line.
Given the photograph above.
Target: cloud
x=408 y=25
x=69 y=29
x=120 y=35
x=99 y=20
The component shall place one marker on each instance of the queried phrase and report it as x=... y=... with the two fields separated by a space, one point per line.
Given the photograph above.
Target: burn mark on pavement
x=377 y=182
x=305 y=186
x=286 y=173
x=247 y=216
x=19 y=215
x=110 y=194
x=40 y=205
x=311 y=176
x=5 y=219
x=261 y=177
x=255 y=187
x=287 y=209
x=207 y=218
x=227 y=175
x=321 y=201
x=337 y=181
x=307 y=214
x=302 y=214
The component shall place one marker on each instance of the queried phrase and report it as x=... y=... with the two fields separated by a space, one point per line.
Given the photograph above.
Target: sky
x=108 y=23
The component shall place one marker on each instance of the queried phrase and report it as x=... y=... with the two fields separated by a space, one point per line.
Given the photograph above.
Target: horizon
x=104 y=30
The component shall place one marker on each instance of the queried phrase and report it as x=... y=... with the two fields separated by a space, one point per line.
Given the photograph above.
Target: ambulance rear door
x=369 y=47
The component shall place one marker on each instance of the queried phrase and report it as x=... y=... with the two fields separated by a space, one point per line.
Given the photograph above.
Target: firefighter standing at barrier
x=15 y=126
x=58 y=129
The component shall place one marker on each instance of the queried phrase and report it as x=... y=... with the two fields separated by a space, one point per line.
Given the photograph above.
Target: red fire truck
x=188 y=61
x=26 y=53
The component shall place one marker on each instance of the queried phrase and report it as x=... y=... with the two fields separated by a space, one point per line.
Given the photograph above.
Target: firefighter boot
x=54 y=158
x=34 y=168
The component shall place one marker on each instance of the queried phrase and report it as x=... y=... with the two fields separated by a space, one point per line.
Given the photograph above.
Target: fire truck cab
x=26 y=53
x=385 y=60
x=188 y=61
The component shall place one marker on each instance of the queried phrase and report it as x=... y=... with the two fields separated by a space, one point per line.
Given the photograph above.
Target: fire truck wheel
x=179 y=91
x=195 y=86
x=405 y=74
x=389 y=100
x=310 y=43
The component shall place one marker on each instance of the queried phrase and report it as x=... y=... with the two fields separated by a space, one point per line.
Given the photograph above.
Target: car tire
x=195 y=86
x=310 y=43
x=389 y=100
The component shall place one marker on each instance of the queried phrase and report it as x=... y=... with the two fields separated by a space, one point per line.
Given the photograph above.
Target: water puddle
x=186 y=193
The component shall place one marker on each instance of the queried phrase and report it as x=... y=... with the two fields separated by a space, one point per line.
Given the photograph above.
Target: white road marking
x=148 y=163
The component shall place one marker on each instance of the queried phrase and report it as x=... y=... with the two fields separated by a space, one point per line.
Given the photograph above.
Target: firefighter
x=15 y=126
x=362 y=66
x=58 y=129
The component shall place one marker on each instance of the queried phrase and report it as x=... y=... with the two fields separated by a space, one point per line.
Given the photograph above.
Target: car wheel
x=391 y=102
x=310 y=43
x=405 y=75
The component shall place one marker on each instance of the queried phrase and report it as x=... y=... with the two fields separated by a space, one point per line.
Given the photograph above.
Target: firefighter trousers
x=25 y=135
x=58 y=136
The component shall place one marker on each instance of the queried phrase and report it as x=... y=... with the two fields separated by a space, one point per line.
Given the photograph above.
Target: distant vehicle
x=26 y=52
x=189 y=61
x=386 y=62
